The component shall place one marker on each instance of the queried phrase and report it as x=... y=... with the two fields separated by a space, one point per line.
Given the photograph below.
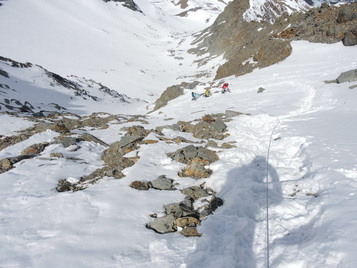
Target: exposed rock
x=227 y=146
x=61 y=128
x=4 y=74
x=64 y=186
x=35 y=148
x=137 y=131
x=163 y=224
x=8 y=141
x=212 y=206
x=186 y=221
x=57 y=155
x=184 y=155
x=190 y=231
x=68 y=141
x=108 y=171
x=162 y=183
x=169 y=94
x=349 y=76
x=204 y=130
x=196 y=169
x=219 y=125
x=149 y=141
x=247 y=45
x=182 y=209
x=346 y=14
x=211 y=143
x=215 y=203
x=261 y=90
x=207 y=155
x=231 y=113
x=91 y=138
x=194 y=192
x=207 y=118
x=5 y=165
x=116 y=150
x=127 y=3
x=8 y=163
x=350 y=38
x=190 y=152
x=140 y=185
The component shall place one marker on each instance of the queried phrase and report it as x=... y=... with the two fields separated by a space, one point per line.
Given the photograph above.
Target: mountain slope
x=90 y=39
x=287 y=143
x=311 y=166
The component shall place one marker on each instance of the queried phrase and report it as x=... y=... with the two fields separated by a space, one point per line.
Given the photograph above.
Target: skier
x=225 y=88
x=208 y=92
x=194 y=96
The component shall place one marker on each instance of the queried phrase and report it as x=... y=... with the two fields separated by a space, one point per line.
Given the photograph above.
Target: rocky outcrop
x=173 y=92
x=127 y=3
x=182 y=216
x=169 y=94
x=196 y=159
x=8 y=163
x=250 y=45
x=35 y=149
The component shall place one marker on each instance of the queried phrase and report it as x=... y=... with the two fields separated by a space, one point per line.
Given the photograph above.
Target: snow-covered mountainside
x=263 y=175
x=269 y=10
x=93 y=40
x=33 y=89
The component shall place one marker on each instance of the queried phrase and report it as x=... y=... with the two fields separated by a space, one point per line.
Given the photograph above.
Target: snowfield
x=289 y=186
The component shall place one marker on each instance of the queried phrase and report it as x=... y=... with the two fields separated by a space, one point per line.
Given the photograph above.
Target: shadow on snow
x=230 y=235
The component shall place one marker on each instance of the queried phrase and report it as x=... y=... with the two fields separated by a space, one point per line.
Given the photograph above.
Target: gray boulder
x=163 y=224
x=181 y=209
x=207 y=154
x=219 y=125
x=350 y=38
x=349 y=76
x=140 y=185
x=187 y=154
x=162 y=183
x=194 y=192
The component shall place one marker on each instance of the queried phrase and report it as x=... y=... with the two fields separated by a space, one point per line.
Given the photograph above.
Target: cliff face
x=247 y=45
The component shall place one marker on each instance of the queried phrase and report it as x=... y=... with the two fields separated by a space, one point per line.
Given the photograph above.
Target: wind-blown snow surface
x=312 y=191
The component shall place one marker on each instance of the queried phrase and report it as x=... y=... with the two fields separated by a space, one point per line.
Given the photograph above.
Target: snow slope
x=312 y=169
x=306 y=125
